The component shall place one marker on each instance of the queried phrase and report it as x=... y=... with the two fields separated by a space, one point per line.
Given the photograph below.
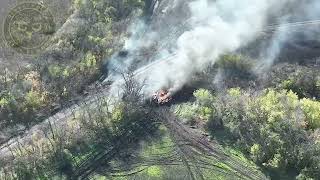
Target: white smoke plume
x=299 y=20
x=120 y=62
x=270 y=54
x=216 y=27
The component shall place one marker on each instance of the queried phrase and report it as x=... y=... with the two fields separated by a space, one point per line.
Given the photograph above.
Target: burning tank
x=162 y=97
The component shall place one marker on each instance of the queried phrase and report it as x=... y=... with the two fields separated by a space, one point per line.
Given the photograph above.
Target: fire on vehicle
x=161 y=97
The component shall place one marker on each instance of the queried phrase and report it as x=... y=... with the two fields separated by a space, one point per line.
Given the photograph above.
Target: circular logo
x=28 y=27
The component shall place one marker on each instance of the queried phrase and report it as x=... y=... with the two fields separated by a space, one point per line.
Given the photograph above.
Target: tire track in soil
x=199 y=145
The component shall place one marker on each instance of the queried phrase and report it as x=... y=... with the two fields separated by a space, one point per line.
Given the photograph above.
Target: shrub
x=311 y=110
x=304 y=85
x=34 y=100
x=234 y=92
x=271 y=127
x=235 y=66
x=201 y=109
x=55 y=70
x=203 y=97
x=255 y=152
x=88 y=62
x=22 y=96
x=5 y=100
x=187 y=112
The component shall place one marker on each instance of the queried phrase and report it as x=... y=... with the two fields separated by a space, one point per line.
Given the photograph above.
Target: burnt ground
x=184 y=95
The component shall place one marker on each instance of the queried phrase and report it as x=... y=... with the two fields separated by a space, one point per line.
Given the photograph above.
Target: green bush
x=21 y=97
x=235 y=66
x=311 y=110
x=255 y=152
x=187 y=112
x=34 y=100
x=5 y=99
x=203 y=97
x=304 y=84
x=201 y=109
x=272 y=127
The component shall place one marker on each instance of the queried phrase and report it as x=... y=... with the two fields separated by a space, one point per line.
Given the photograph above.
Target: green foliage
x=78 y=3
x=43 y=158
x=255 y=151
x=57 y=71
x=234 y=92
x=98 y=177
x=205 y=113
x=187 y=112
x=108 y=8
x=34 y=100
x=62 y=152
x=304 y=84
x=311 y=110
x=201 y=109
x=5 y=99
x=203 y=97
x=21 y=97
x=89 y=65
x=275 y=162
x=89 y=61
x=272 y=127
x=235 y=66
x=154 y=171
x=271 y=106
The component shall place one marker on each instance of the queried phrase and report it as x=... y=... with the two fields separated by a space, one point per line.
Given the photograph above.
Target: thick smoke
x=298 y=20
x=219 y=27
x=270 y=54
x=121 y=62
x=216 y=28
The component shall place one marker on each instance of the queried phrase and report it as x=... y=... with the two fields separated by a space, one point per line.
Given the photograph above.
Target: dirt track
x=197 y=145
x=198 y=151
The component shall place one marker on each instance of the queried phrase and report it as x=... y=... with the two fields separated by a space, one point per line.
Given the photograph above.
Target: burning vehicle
x=162 y=97
x=170 y=96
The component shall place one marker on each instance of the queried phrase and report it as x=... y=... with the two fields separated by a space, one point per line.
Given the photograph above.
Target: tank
x=162 y=97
